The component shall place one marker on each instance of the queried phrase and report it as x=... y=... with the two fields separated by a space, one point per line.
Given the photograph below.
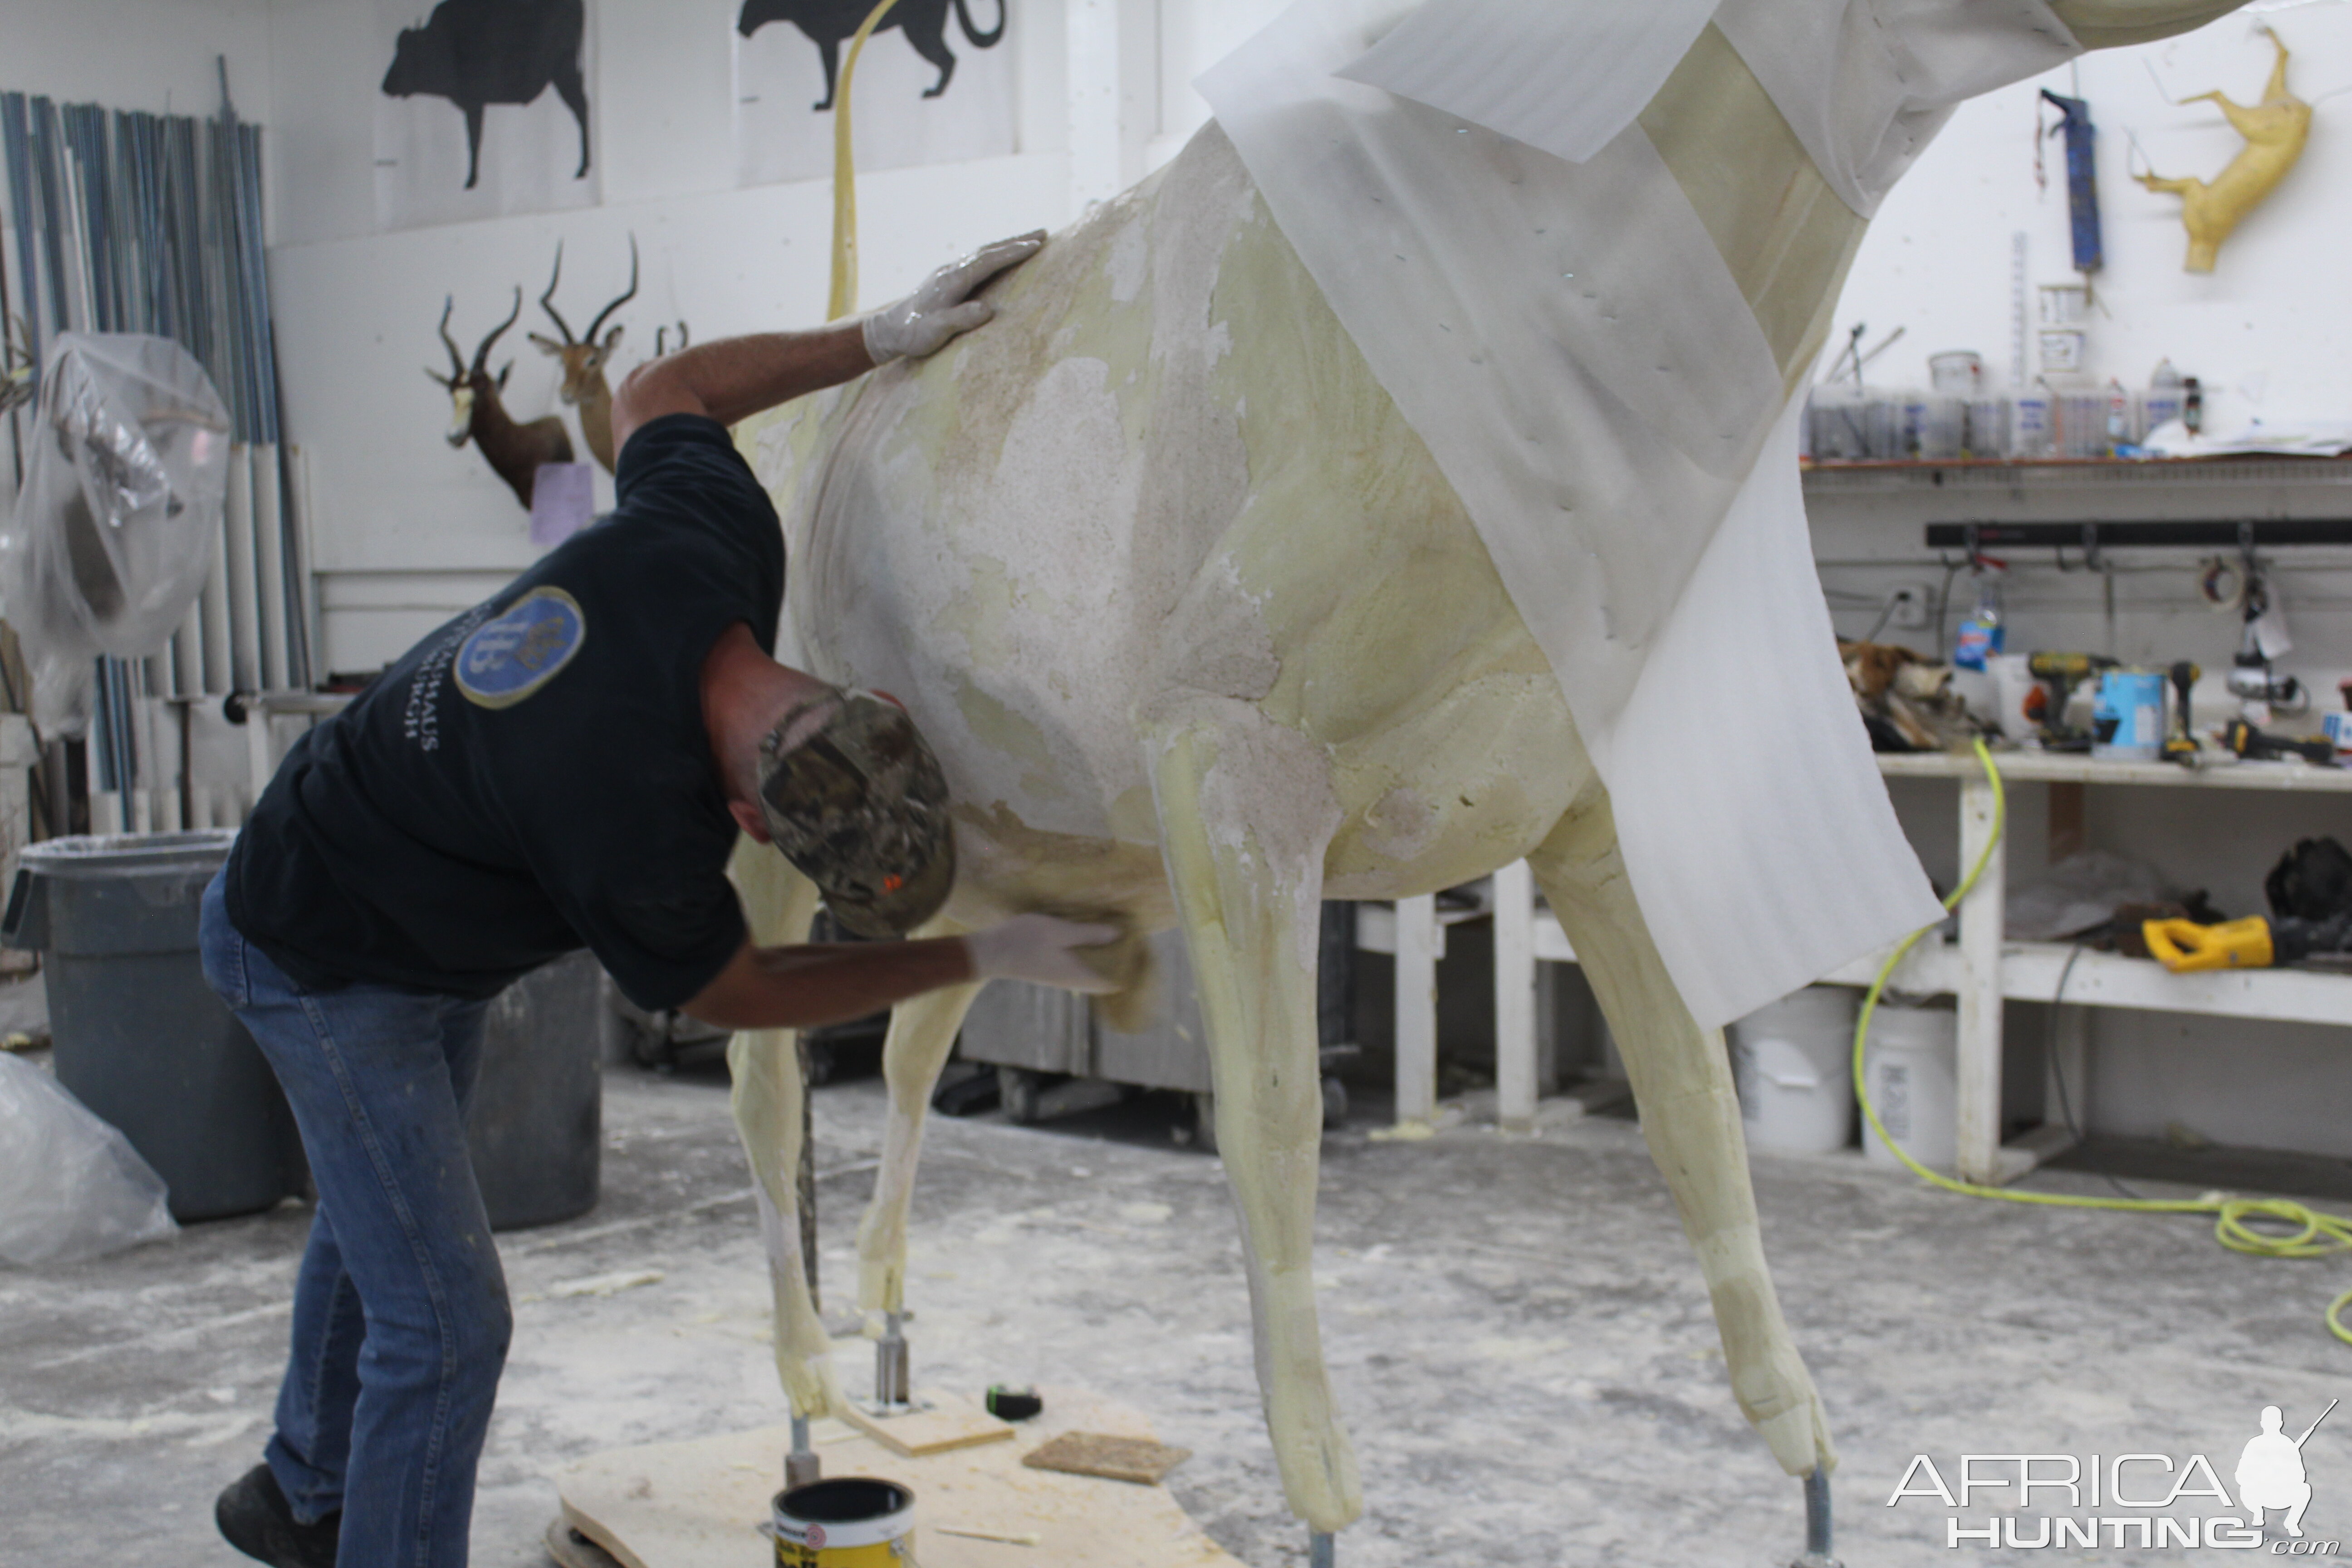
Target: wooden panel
x=949 y=1422
x=699 y=1504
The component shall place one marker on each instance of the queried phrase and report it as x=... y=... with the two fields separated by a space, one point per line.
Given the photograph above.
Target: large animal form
x=1203 y=635
x=2274 y=129
x=480 y=52
x=477 y=412
x=584 y=358
x=828 y=22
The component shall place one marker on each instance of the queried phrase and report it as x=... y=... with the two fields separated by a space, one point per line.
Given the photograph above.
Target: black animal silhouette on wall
x=478 y=52
x=828 y=22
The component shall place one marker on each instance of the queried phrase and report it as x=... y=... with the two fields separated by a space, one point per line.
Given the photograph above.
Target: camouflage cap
x=854 y=798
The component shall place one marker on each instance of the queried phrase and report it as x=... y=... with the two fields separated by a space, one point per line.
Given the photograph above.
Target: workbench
x=1982 y=970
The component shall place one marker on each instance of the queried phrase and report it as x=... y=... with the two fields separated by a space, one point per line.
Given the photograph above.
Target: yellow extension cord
x=842 y=297
x=2235 y=1219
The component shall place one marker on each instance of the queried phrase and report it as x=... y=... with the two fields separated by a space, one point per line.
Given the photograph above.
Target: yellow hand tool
x=2185 y=947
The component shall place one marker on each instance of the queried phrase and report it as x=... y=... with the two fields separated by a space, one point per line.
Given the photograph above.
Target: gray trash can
x=139 y=1037
x=535 y=1129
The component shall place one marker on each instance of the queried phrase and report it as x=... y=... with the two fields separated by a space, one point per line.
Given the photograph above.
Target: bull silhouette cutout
x=480 y=52
x=828 y=22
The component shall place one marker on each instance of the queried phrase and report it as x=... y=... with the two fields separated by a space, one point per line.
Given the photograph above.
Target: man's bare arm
x=734 y=378
x=807 y=987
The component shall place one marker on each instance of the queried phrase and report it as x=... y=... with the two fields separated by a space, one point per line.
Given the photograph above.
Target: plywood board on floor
x=699 y=1504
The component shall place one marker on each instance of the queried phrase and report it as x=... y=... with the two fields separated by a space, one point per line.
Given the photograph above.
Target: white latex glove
x=1039 y=949
x=923 y=322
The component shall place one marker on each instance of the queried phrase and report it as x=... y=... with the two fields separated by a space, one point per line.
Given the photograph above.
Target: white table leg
x=1416 y=1010
x=1980 y=990
x=1515 y=997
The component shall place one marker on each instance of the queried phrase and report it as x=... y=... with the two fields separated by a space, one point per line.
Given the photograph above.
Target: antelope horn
x=482 y=354
x=623 y=299
x=547 y=300
x=457 y=360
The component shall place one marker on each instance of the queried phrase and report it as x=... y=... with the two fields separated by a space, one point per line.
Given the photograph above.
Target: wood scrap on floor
x=939 y=1424
x=1138 y=1459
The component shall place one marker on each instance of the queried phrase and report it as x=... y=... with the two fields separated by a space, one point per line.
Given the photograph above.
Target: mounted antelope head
x=515 y=451
x=661 y=340
x=584 y=358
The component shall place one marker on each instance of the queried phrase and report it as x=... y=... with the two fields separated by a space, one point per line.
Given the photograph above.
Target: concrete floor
x=1516 y=1327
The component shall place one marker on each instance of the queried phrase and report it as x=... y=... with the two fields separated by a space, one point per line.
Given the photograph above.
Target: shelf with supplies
x=2078 y=474
x=1983 y=971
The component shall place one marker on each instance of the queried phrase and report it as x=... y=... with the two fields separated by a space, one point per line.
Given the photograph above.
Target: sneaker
x=854 y=798
x=254 y=1517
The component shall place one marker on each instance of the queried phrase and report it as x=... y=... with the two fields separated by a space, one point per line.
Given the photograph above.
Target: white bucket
x=1796 y=1093
x=1911 y=1065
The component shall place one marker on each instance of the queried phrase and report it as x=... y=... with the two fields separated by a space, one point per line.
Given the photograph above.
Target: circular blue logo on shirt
x=509 y=658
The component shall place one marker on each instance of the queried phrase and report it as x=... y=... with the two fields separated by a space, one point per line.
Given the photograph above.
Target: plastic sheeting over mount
x=1865 y=84
x=127 y=468
x=1580 y=357
x=1565 y=79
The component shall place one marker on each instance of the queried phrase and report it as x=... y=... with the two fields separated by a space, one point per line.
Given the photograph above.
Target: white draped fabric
x=1567 y=340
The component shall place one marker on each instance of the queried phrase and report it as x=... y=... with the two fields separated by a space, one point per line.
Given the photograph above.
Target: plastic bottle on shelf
x=2122 y=439
x=1982 y=635
x=2192 y=403
x=2161 y=402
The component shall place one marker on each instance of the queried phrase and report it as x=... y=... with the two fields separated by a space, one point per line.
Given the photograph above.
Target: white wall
x=2270 y=336
x=2266 y=330
x=155 y=55
x=407 y=530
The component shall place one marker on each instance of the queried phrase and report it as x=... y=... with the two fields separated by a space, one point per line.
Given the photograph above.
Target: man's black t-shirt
x=535 y=776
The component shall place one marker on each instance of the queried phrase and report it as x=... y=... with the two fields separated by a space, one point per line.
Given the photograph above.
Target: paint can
x=2127 y=719
x=850 y=1521
x=1789 y=1057
x=1911 y=1065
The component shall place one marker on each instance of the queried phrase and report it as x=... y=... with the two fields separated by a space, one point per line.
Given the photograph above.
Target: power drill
x=2180 y=746
x=2185 y=947
x=2060 y=674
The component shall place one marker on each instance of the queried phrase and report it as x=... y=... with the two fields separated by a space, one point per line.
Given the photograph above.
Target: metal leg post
x=1322 y=1550
x=1818 y=1542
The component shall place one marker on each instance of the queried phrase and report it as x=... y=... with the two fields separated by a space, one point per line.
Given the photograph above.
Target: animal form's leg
x=1690 y=1117
x=2275 y=89
x=574 y=93
x=1244 y=819
x=922 y=1032
x=829 y=50
x=474 y=147
x=779 y=903
x=927 y=33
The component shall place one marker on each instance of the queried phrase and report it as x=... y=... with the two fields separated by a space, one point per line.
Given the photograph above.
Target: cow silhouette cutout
x=828 y=22
x=480 y=52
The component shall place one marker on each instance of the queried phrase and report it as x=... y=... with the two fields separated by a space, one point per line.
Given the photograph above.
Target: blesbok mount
x=585 y=387
x=515 y=451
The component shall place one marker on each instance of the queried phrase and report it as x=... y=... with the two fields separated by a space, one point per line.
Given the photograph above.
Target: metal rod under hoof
x=1322 y=1549
x=1818 y=1544
x=801 y=1466
x=891 y=1359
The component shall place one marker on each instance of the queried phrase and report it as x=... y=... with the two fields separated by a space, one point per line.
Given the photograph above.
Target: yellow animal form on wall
x=2275 y=131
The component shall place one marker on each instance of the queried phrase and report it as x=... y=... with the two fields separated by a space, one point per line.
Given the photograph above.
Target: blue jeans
x=401 y=1320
